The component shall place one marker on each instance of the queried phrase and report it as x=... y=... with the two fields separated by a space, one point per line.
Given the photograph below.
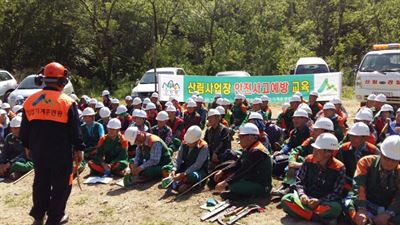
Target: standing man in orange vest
x=51 y=133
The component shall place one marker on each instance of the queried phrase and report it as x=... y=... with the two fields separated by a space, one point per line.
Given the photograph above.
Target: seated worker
x=191 y=117
x=104 y=114
x=218 y=139
x=176 y=125
x=329 y=111
x=151 y=111
x=239 y=111
x=286 y=117
x=365 y=115
x=161 y=129
x=200 y=109
x=192 y=161
x=91 y=133
x=375 y=196
x=14 y=161
x=152 y=159
x=381 y=119
x=251 y=174
x=319 y=184
x=111 y=156
x=123 y=116
x=265 y=107
x=129 y=104
x=256 y=107
x=314 y=105
x=257 y=119
x=222 y=112
x=352 y=151
x=394 y=126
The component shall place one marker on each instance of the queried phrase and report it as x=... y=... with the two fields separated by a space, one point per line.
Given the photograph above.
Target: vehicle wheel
x=5 y=97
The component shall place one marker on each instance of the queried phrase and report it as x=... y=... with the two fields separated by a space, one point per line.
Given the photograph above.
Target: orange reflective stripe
x=48 y=105
x=298 y=210
x=260 y=146
x=71 y=179
x=335 y=164
x=322 y=209
x=363 y=165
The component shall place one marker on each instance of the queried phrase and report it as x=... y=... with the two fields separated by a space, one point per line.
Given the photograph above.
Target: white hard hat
x=150 y=106
x=295 y=98
x=196 y=93
x=380 y=98
x=255 y=116
x=192 y=135
x=314 y=93
x=191 y=104
x=299 y=94
x=387 y=108
x=131 y=134
x=115 y=101
x=121 y=109
x=359 y=129
x=88 y=111
x=114 y=124
x=16 y=108
x=285 y=105
x=220 y=101
x=336 y=100
x=326 y=141
x=300 y=113
x=226 y=102
x=154 y=95
x=74 y=97
x=305 y=107
x=141 y=114
x=128 y=98
x=213 y=112
x=329 y=105
x=257 y=101
x=371 y=97
x=135 y=112
x=105 y=92
x=162 y=116
x=92 y=101
x=249 y=128
x=199 y=99
x=240 y=96
x=104 y=112
x=146 y=101
x=168 y=104
x=391 y=147
x=5 y=105
x=171 y=108
x=217 y=95
x=324 y=123
x=85 y=97
x=99 y=105
x=364 y=115
x=221 y=110
x=2 y=111
x=16 y=122
x=264 y=98
x=19 y=97
x=137 y=101
x=172 y=98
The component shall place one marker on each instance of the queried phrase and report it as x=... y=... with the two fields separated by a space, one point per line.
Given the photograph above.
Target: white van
x=310 y=65
x=146 y=85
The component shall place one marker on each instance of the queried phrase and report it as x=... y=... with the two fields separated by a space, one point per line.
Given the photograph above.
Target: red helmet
x=54 y=70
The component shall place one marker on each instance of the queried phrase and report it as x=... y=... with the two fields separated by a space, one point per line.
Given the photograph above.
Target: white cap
x=364 y=115
x=326 y=141
x=226 y=102
x=2 y=111
x=305 y=107
x=220 y=101
x=146 y=101
x=387 y=108
x=298 y=94
x=128 y=98
x=213 y=112
x=171 y=108
x=16 y=122
x=221 y=110
x=104 y=112
x=192 y=135
x=88 y=112
x=114 y=101
x=294 y=98
x=359 y=129
x=141 y=114
x=264 y=98
x=105 y=92
x=336 y=100
x=285 y=106
x=329 y=105
x=314 y=93
x=217 y=95
x=137 y=101
x=16 y=108
x=168 y=104
x=191 y=104
x=371 y=97
x=255 y=116
x=131 y=134
x=324 y=123
x=154 y=95
x=391 y=147
x=121 y=109
x=380 y=98
x=257 y=101
x=162 y=116
x=150 y=106
x=114 y=124
x=240 y=96
x=5 y=105
x=199 y=99
x=300 y=113
x=249 y=128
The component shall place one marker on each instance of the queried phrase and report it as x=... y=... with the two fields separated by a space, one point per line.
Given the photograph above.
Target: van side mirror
x=355 y=69
x=291 y=71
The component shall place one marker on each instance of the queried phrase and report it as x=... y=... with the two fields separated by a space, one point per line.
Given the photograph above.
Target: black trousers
x=51 y=189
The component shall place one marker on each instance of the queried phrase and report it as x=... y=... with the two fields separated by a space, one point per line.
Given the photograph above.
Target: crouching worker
x=375 y=197
x=251 y=174
x=112 y=152
x=152 y=159
x=13 y=159
x=319 y=184
x=192 y=160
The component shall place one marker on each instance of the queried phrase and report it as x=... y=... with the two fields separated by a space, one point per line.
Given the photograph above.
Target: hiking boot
x=64 y=219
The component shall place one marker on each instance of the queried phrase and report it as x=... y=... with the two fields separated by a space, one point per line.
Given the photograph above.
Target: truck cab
x=379 y=72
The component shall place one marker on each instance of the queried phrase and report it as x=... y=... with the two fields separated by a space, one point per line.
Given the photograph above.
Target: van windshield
x=312 y=68
x=149 y=78
x=381 y=62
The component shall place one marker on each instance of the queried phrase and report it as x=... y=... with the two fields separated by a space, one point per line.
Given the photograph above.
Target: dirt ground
x=142 y=204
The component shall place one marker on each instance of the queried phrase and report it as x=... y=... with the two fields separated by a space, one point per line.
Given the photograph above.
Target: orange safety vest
x=48 y=105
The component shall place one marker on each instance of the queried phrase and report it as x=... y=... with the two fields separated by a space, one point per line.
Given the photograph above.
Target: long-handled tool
x=244 y=213
x=22 y=177
x=216 y=211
